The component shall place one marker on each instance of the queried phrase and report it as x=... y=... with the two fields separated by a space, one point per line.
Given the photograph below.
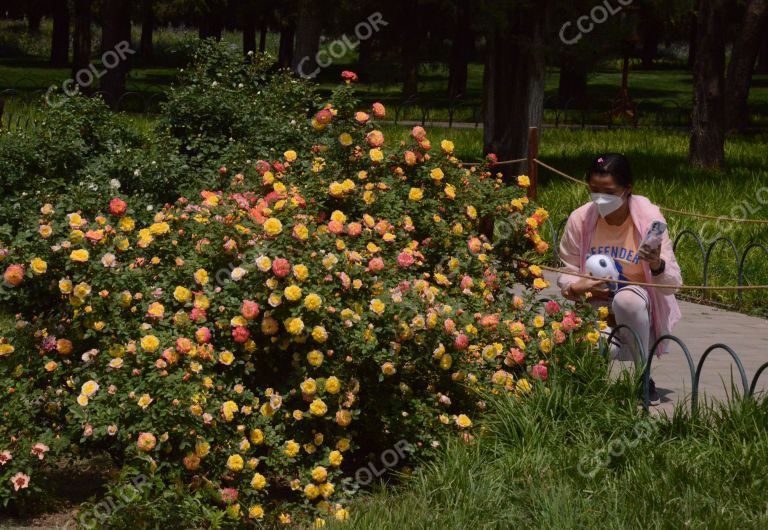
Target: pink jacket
x=574 y=250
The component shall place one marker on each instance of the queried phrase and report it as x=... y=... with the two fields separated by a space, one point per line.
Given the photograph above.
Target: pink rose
x=378 y=110
x=475 y=245
x=376 y=264
x=117 y=207
x=419 y=133
x=249 y=309
x=262 y=166
x=203 y=335
x=354 y=229
x=405 y=259
x=229 y=495
x=539 y=371
x=461 y=342
x=375 y=138
x=14 y=275
x=551 y=308
x=241 y=334
x=466 y=282
x=362 y=117
x=336 y=227
x=449 y=325
x=324 y=117
x=281 y=267
x=146 y=441
x=183 y=345
x=198 y=315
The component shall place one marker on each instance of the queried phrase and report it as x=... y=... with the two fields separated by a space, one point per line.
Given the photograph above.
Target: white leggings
x=631 y=307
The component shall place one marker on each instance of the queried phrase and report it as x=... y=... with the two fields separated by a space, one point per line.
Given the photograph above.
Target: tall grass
x=583 y=456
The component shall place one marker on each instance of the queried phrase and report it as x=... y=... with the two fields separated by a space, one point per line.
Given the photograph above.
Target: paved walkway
x=701 y=327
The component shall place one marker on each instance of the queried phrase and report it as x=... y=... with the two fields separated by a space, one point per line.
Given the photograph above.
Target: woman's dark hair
x=615 y=165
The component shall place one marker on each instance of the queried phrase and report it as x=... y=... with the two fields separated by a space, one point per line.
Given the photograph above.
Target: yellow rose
x=313 y=302
x=290 y=155
x=201 y=276
x=447 y=146
x=182 y=294
x=294 y=326
x=79 y=256
x=437 y=174
x=257 y=437
x=319 y=474
x=150 y=343
x=318 y=407
x=315 y=358
x=332 y=385
x=416 y=194
x=256 y=512
x=126 y=224
x=318 y=333
x=292 y=293
x=345 y=139
x=159 y=228
x=523 y=181
x=377 y=306
x=235 y=463
x=259 y=481
x=311 y=491
x=273 y=226
x=335 y=458
x=376 y=154
x=291 y=448
x=463 y=421
x=38 y=266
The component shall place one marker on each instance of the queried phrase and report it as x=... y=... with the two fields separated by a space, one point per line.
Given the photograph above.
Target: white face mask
x=607 y=203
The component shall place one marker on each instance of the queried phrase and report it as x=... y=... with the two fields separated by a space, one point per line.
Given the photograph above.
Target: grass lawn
x=583 y=456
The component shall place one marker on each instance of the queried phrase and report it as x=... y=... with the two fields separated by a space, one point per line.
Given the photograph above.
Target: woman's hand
x=598 y=287
x=652 y=256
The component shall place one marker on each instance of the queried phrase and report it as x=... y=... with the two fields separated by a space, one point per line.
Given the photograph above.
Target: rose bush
x=253 y=344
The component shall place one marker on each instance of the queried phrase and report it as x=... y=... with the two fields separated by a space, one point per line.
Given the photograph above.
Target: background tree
x=462 y=47
x=147 y=27
x=746 y=48
x=707 y=146
x=116 y=29
x=514 y=76
x=60 y=36
x=81 y=42
x=308 y=28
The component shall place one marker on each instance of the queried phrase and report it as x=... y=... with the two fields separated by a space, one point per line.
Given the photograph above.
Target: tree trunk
x=211 y=23
x=35 y=12
x=249 y=31
x=285 y=53
x=263 y=38
x=514 y=83
x=651 y=37
x=461 y=51
x=742 y=66
x=410 y=44
x=60 y=38
x=117 y=32
x=308 y=31
x=81 y=40
x=147 y=27
x=707 y=148
x=572 y=87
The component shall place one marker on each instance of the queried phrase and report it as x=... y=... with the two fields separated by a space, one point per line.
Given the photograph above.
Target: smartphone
x=654 y=236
